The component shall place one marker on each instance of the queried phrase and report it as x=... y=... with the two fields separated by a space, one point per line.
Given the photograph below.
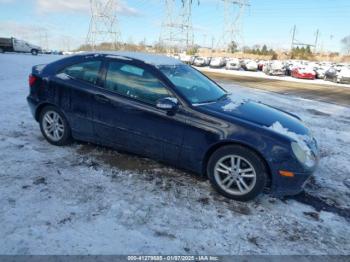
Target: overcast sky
x=66 y=22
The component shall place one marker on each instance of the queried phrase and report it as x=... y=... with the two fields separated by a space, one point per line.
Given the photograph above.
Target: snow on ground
x=260 y=74
x=85 y=199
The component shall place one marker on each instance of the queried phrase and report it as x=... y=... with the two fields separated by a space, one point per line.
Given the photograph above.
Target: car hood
x=254 y=112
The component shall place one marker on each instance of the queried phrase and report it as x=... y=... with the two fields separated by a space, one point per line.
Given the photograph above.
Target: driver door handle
x=101 y=98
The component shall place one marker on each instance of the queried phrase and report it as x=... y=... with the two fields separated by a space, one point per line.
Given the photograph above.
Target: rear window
x=87 y=71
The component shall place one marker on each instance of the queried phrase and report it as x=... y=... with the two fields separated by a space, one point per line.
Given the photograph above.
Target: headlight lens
x=303 y=154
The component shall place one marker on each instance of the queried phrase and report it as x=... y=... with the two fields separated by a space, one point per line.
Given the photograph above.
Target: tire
x=1 y=51
x=62 y=126
x=34 y=52
x=252 y=186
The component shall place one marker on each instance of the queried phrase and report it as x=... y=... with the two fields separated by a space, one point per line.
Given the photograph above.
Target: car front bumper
x=286 y=186
x=306 y=76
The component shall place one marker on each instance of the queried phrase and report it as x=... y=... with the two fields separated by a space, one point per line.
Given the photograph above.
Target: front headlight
x=303 y=154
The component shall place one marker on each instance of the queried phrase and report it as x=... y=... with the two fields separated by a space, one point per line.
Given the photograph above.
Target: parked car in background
x=176 y=56
x=233 y=64
x=275 y=68
x=288 y=67
x=201 y=61
x=261 y=65
x=320 y=72
x=217 y=62
x=46 y=51
x=158 y=107
x=187 y=59
x=343 y=76
x=56 y=52
x=251 y=66
x=303 y=73
x=16 y=45
x=331 y=74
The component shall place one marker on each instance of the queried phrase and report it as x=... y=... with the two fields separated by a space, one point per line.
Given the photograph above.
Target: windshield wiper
x=223 y=96
x=214 y=100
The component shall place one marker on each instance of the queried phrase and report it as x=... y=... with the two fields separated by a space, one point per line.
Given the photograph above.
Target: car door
x=74 y=88
x=125 y=112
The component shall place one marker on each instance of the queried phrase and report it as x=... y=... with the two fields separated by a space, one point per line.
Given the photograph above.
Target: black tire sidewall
x=34 y=52
x=252 y=157
x=66 y=138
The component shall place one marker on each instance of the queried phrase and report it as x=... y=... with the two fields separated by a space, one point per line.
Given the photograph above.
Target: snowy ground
x=84 y=199
x=260 y=74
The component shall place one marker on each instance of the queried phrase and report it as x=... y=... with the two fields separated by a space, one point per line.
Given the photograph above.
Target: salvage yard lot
x=313 y=89
x=86 y=199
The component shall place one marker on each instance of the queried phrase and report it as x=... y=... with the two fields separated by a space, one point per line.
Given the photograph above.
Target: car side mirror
x=169 y=104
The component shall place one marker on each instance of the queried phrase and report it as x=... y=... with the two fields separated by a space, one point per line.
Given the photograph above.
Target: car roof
x=149 y=58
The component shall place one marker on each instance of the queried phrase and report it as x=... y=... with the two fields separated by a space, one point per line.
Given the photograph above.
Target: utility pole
x=316 y=40
x=293 y=37
x=103 y=24
x=212 y=44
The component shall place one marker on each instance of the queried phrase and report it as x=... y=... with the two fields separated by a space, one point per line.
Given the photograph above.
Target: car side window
x=134 y=82
x=86 y=71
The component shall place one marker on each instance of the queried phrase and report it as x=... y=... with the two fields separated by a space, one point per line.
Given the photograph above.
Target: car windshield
x=192 y=84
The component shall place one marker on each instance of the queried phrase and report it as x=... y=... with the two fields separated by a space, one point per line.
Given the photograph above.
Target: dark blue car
x=158 y=107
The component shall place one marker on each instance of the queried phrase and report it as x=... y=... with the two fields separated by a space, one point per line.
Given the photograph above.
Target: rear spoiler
x=37 y=70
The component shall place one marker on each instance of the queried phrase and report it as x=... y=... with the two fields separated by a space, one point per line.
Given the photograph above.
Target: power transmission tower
x=295 y=42
x=103 y=24
x=177 y=29
x=232 y=31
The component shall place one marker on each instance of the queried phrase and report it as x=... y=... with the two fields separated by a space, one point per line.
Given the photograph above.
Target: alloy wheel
x=53 y=126
x=235 y=175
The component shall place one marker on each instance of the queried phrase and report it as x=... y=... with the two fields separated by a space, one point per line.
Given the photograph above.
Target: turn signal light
x=286 y=173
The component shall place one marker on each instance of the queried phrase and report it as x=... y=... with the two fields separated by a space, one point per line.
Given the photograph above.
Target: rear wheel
x=1 y=51
x=34 y=52
x=237 y=172
x=54 y=126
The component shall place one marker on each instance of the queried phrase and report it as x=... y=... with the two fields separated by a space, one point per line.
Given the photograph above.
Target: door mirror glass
x=167 y=103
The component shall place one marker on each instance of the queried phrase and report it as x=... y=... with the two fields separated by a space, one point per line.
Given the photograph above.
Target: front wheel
x=54 y=126
x=237 y=172
x=34 y=52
